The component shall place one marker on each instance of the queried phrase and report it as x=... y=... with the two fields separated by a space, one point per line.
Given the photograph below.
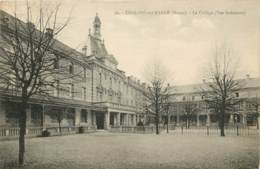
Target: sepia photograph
x=129 y=84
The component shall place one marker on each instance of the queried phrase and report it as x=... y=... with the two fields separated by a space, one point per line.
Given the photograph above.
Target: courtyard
x=105 y=150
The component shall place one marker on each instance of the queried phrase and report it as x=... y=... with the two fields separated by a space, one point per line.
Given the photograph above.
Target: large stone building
x=103 y=97
x=187 y=103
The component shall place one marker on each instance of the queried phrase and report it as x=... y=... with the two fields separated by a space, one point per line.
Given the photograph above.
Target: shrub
x=81 y=129
x=46 y=133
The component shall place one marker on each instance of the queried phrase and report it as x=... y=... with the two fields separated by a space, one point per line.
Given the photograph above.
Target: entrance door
x=100 y=120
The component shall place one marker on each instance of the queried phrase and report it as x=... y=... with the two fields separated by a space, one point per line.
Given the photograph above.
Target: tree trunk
x=167 y=123
x=257 y=121
x=187 y=122
x=157 y=127
x=157 y=123
x=22 y=126
x=60 y=127
x=222 y=123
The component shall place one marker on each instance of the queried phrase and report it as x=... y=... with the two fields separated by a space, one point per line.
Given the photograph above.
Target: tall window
x=183 y=98
x=71 y=69
x=84 y=94
x=193 y=98
x=56 y=63
x=110 y=82
x=72 y=90
x=84 y=116
x=100 y=78
x=57 y=90
x=85 y=73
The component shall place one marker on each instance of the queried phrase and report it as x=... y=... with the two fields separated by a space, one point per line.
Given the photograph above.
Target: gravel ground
x=103 y=150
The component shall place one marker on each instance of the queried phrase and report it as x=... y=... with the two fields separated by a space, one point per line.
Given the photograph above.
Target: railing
x=115 y=105
x=37 y=131
x=133 y=129
x=182 y=130
x=215 y=130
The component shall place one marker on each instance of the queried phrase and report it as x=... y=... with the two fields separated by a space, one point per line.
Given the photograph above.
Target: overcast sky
x=183 y=39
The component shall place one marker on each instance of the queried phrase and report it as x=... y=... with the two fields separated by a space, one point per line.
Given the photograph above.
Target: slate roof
x=194 y=88
x=97 y=46
x=58 y=45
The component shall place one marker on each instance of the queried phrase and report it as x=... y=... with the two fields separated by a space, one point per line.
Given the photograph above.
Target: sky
x=181 y=33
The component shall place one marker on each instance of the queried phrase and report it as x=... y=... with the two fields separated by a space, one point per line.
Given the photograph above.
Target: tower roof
x=97 y=20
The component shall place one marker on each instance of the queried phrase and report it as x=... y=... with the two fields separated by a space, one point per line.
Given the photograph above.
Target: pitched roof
x=97 y=47
x=58 y=45
x=194 y=88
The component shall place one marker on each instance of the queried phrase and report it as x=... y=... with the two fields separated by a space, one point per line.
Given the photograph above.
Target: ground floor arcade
x=211 y=119
x=65 y=115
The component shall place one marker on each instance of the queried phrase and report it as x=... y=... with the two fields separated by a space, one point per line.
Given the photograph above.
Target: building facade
x=103 y=97
x=187 y=103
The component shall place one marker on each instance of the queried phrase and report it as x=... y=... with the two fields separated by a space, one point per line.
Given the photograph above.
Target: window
x=237 y=94
x=57 y=90
x=183 y=98
x=56 y=63
x=110 y=82
x=65 y=91
x=202 y=97
x=36 y=116
x=85 y=73
x=71 y=69
x=36 y=112
x=100 y=78
x=72 y=90
x=193 y=98
x=84 y=116
x=84 y=93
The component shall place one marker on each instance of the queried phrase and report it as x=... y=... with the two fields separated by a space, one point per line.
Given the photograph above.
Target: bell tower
x=97 y=26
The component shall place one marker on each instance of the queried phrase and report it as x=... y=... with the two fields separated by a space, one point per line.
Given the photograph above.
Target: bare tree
x=158 y=90
x=58 y=114
x=166 y=103
x=220 y=91
x=190 y=109
x=27 y=62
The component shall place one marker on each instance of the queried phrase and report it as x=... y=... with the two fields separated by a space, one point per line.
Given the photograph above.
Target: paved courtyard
x=103 y=150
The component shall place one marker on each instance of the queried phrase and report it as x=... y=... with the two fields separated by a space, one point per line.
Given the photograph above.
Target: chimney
x=84 y=50
x=248 y=76
x=49 y=32
x=204 y=80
